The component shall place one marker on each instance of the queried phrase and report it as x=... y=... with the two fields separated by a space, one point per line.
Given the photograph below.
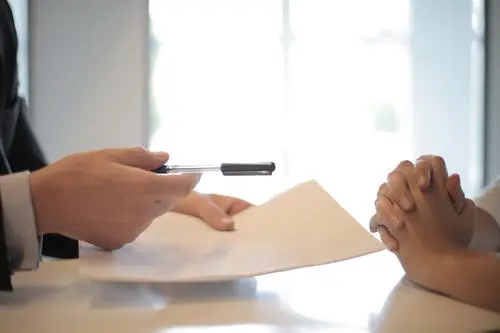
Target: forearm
x=486 y=232
x=468 y=276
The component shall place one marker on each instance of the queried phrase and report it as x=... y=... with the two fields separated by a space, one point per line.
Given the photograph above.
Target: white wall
x=446 y=109
x=89 y=66
x=493 y=92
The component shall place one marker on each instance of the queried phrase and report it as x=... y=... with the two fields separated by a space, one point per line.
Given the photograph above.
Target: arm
x=468 y=276
x=19 y=244
x=25 y=154
x=432 y=249
x=19 y=149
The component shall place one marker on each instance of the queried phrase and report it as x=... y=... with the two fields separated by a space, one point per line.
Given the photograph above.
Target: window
x=323 y=88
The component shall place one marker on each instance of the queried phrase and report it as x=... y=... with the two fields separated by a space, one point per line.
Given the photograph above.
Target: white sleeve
x=489 y=200
x=23 y=246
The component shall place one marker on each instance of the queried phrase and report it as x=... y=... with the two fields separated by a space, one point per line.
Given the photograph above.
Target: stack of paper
x=301 y=227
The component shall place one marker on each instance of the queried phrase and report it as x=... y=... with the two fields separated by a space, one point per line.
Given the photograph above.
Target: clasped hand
x=422 y=213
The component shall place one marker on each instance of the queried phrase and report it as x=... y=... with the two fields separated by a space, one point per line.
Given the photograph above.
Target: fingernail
x=405 y=202
x=161 y=154
x=390 y=246
x=421 y=181
x=228 y=223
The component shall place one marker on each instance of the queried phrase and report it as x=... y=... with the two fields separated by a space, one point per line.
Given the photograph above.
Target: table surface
x=365 y=294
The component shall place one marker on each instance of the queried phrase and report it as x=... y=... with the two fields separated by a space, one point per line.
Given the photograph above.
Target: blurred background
x=333 y=90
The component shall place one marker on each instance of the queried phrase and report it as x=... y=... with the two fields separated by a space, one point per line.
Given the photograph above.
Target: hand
x=105 y=197
x=216 y=210
x=396 y=191
x=433 y=228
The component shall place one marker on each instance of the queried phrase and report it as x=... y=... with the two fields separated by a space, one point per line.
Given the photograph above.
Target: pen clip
x=244 y=169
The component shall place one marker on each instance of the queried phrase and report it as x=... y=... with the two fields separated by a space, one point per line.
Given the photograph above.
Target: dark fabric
x=5 y=272
x=19 y=148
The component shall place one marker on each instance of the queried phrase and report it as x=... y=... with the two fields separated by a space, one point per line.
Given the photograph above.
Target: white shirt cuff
x=489 y=200
x=22 y=242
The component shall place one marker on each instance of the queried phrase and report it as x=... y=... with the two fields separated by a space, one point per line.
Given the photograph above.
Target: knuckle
x=374 y=221
x=383 y=190
x=397 y=183
x=381 y=205
x=139 y=149
x=135 y=151
x=395 y=178
x=382 y=230
x=405 y=166
x=425 y=157
x=438 y=161
x=422 y=164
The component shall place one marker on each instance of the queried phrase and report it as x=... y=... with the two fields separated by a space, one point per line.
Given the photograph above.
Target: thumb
x=456 y=193
x=469 y=209
x=215 y=217
x=139 y=157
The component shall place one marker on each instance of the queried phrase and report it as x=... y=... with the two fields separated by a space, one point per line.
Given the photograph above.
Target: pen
x=227 y=169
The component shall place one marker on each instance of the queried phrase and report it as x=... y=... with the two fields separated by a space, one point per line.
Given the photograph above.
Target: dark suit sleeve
x=5 y=271
x=19 y=149
x=25 y=154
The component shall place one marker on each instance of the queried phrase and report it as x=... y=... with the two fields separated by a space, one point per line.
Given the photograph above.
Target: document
x=301 y=227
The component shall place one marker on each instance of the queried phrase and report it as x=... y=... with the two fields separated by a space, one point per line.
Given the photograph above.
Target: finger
x=215 y=217
x=384 y=190
x=385 y=213
x=374 y=223
x=423 y=171
x=386 y=237
x=230 y=205
x=238 y=206
x=407 y=169
x=456 y=193
x=137 y=157
x=173 y=185
x=470 y=208
x=439 y=172
x=400 y=193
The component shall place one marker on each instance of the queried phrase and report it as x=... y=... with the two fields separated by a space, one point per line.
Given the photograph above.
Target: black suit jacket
x=19 y=149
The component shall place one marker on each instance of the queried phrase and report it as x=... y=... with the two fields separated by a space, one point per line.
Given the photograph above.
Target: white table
x=366 y=294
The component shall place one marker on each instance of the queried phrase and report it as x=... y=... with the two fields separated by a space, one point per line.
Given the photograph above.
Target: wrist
x=436 y=270
x=40 y=208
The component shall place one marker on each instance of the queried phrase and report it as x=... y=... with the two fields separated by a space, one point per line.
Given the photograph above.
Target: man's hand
x=427 y=171
x=106 y=197
x=216 y=210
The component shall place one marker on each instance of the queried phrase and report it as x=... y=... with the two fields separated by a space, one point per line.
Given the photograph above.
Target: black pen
x=227 y=169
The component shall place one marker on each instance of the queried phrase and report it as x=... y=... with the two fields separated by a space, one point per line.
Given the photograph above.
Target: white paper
x=301 y=227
